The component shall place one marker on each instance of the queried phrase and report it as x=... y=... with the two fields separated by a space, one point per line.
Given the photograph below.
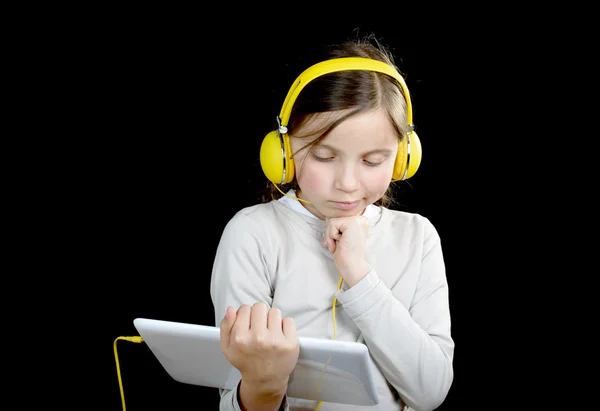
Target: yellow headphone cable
x=135 y=339
x=334 y=337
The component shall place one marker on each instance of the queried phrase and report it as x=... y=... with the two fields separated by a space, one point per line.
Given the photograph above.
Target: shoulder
x=256 y=220
x=258 y=216
x=407 y=219
x=411 y=233
x=249 y=218
x=413 y=226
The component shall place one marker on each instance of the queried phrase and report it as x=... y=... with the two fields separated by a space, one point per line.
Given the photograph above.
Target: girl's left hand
x=345 y=238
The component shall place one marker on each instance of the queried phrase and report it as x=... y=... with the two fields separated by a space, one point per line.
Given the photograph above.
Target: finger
x=326 y=233
x=225 y=327
x=325 y=240
x=274 y=320
x=329 y=244
x=328 y=240
x=333 y=247
x=333 y=235
x=289 y=328
x=258 y=318
x=337 y=227
x=242 y=321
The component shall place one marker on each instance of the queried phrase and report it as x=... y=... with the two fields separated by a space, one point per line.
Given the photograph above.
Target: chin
x=340 y=213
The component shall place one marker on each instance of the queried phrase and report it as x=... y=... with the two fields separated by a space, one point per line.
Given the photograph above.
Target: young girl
x=327 y=242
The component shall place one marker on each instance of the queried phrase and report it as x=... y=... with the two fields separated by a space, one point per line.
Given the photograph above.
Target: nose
x=347 y=178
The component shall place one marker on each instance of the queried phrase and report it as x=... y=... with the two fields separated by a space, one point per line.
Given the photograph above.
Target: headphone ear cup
x=271 y=159
x=275 y=159
x=400 y=163
x=403 y=160
x=289 y=166
x=416 y=154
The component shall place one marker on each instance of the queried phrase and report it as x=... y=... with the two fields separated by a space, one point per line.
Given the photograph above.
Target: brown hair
x=349 y=93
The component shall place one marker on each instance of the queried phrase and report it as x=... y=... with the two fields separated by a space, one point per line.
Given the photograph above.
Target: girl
x=327 y=234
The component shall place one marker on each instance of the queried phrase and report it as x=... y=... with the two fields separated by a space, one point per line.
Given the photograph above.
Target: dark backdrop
x=181 y=110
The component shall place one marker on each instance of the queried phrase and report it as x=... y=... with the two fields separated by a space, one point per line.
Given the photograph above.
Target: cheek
x=377 y=182
x=311 y=176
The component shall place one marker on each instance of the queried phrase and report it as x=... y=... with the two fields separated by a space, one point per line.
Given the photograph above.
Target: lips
x=345 y=205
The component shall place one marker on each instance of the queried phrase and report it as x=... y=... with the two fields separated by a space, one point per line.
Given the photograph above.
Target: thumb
x=226 y=326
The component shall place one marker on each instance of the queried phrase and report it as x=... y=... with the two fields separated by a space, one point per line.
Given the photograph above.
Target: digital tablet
x=327 y=370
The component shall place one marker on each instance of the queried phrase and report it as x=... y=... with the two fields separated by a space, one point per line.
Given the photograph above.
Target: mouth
x=346 y=205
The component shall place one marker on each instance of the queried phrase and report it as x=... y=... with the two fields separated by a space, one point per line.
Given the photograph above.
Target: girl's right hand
x=262 y=346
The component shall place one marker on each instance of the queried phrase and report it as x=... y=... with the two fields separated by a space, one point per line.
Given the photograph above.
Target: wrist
x=261 y=396
x=353 y=274
x=265 y=387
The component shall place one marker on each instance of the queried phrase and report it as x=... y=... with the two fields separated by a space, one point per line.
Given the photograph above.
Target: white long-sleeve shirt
x=273 y=253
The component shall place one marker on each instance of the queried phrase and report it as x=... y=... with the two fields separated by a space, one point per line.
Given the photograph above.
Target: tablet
x=327 y=370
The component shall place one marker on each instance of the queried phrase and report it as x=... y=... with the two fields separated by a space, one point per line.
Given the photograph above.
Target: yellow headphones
x=275 y=152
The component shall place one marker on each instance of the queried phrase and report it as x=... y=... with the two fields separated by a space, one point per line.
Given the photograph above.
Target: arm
x=416 y=349
x=241 y=273
x=262 y=398
x=248 y=398
x=240 y=276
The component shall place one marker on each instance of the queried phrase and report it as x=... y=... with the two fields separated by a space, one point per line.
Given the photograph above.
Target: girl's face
x=350 y=168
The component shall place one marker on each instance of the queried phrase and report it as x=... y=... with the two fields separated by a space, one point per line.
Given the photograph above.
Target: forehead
x=362 y=131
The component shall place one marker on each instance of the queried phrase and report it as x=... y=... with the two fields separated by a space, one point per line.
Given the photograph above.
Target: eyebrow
x=376 y=151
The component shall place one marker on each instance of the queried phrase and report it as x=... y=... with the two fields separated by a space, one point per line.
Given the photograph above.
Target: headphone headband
x=335 y=65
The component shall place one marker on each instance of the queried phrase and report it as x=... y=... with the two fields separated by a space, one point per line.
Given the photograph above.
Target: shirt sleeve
x=240 y=273
x=240 y=276
x=412 y=345
x=230 y=401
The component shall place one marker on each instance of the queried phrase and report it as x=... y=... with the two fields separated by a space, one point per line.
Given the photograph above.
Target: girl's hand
x=262 y=346
x=345 y=238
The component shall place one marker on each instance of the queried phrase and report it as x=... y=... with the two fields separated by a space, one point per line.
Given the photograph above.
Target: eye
x=372 y=164
x=323 y=159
